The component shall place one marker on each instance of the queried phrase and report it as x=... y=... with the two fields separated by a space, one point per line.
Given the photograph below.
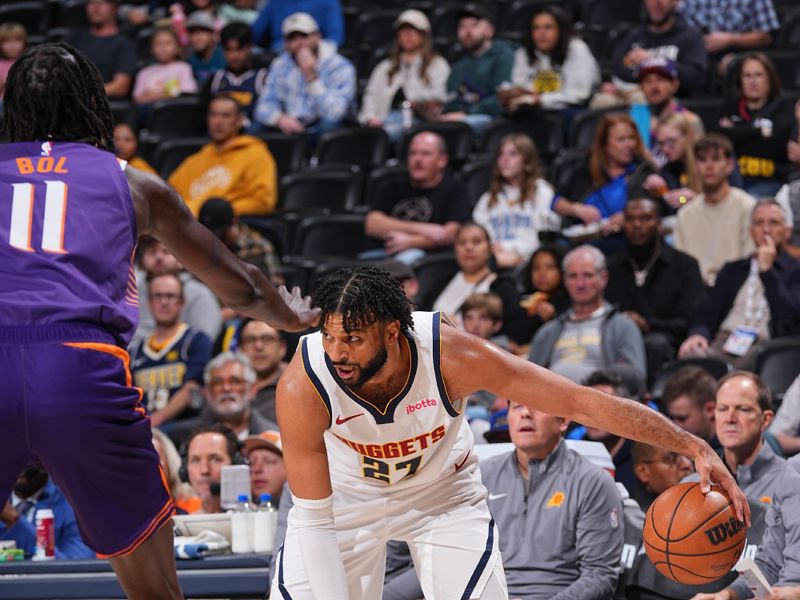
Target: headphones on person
x=233 y=444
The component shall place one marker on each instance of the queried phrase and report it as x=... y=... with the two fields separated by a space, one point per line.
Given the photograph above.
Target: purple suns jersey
x=67 y=237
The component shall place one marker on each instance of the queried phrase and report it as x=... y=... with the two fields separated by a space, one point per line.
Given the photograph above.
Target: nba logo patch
x=614 y=518
x=47 y=148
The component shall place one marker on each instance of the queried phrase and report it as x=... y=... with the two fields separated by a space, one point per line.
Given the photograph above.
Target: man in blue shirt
x=34 y=491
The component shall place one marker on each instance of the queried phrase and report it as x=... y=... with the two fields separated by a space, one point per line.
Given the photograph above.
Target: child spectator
x=169 y=76
x=545 y=295
x=206 y=57
x=13 y=39
x=127 y=145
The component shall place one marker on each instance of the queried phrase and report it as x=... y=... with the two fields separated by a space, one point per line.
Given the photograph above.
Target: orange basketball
x=691 y=537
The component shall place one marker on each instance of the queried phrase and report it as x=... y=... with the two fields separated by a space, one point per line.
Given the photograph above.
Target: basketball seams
x=688 y=555
x=696 y=529
x=669 y=527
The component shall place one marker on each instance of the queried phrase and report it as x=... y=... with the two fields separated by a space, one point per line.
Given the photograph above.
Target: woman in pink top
x=168 y=77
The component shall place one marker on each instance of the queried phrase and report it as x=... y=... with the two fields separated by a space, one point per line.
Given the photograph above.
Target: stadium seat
x=380 y=180
x=72 y=14
x=476 y=176
x=778 y=363
x=458 y=137
x=143 y=43
x=568 y=174
x=433 y=271
x=581 y=131
x=335 y=189
x=374 y=29
x=366 y=147
x=517 y=15
x=610 y=12
x=123 y=112
x=171 y=153
x=444 y=20
x=56 y=34
x=789 y=33
x=709 y=109
x=331 y=235
x=716 y=366
x=287 y=150
x=182 y=116
x=34 y=15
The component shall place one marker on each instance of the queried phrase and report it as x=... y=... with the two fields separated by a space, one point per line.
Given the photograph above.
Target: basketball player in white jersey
x=376 y=445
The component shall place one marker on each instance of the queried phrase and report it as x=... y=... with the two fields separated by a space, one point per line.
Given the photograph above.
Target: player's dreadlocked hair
x=363 y=295
x=53 y=92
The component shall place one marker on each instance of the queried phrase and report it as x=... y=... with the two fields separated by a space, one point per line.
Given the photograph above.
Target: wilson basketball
x=691 y=537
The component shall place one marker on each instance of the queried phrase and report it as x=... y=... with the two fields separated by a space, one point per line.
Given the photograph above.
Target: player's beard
x=371 y=368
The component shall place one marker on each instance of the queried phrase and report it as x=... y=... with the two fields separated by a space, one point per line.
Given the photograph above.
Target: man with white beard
x=229 y=391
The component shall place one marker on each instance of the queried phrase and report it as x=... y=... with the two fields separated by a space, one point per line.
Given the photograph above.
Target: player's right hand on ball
x=301 y=307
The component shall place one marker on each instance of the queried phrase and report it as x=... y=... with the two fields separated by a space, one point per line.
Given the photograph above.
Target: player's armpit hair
x=53 y=92
x=363 y=295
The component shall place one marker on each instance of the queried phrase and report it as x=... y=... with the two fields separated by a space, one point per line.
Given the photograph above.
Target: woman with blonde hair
x=676 y=137
x=516 y=208
x=413 y=72
x=620 y=168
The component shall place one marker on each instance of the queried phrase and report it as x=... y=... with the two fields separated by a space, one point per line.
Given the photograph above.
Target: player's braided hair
x=363 y=295
x=53 y=92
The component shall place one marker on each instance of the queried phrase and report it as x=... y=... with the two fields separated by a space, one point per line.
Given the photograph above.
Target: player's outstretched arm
x=303 y=419
x=470 y=364
x=162 y=213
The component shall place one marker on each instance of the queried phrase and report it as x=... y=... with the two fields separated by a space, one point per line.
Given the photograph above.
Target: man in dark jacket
x=656 y=286
x=754 y=299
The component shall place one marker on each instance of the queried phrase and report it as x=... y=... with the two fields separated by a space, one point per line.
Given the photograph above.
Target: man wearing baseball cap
x=475 y=77
x=264 y=452
x=206 y=57
x=311 y=88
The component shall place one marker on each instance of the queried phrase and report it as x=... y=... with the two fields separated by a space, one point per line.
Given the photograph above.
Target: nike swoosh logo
x=341 y=421
x=461 y=464
x=496 y=496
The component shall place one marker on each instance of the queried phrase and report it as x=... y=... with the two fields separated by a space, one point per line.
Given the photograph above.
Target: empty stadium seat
x=331 y=235
x=778 y=363
x=380 y=180
x=366 y=147
x=182 y=116
x=331 y=188
x=517 y=15
x=610 y=12
x=123 y=112
x=374 y=29
x=583 y=126
x=568 y=173
x=287 y=150
x=476 y=176
x=72 y=14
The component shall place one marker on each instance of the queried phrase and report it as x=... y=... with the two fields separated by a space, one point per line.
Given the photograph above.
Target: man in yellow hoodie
x=237 y=167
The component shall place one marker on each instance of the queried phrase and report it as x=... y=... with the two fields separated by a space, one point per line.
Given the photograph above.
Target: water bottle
x=242 y=527
x=407 y=114
x=45 y=535
x=265 y=520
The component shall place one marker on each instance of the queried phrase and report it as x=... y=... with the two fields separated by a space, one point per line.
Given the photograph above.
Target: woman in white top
x=517 y=206
x=553 y=69
x=473 y=255
x=412 y=72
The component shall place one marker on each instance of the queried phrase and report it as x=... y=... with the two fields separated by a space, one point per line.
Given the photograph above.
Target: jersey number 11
x=55 y=212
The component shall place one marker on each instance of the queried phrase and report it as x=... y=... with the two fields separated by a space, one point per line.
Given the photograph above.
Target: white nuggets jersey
x=422 y=436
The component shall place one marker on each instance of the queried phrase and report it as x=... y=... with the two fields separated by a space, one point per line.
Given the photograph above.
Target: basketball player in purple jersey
x=70 y=216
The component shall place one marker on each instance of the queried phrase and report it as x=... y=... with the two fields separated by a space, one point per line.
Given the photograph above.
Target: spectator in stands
x=201 y=310
x=111 y=52
x=168 y=365
x=475 y=77
x=543 y=285
x=713 y=228
x=742 y=414
x=543 y=490
x=729 y=26
x=246 y=243
x=554 y=69
x=656 y=286
x=591 y=335
x=414 y=72
x=13 y=41
x=264 y=453
x=127 y=145
x=206 y=56
x=656 y=471
x=264 y=346
x=423 y=214
x=35 y=491
x=789 y=195
x=689 y=397
x=619 y=448
x=229 y=392
x=311 y=88
x=238 y=11
x=169 y=76
x=620 y=168
x=759 y=123
x=676 y=137
x=207 y=449
x=482 y=315
x=785 y=427
x=268 y=27
x=240 y=80
x=658 y=78
x=236 y=167
x=753 y=300
x=665 y=35
x=517 y=205
x=170 y=459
